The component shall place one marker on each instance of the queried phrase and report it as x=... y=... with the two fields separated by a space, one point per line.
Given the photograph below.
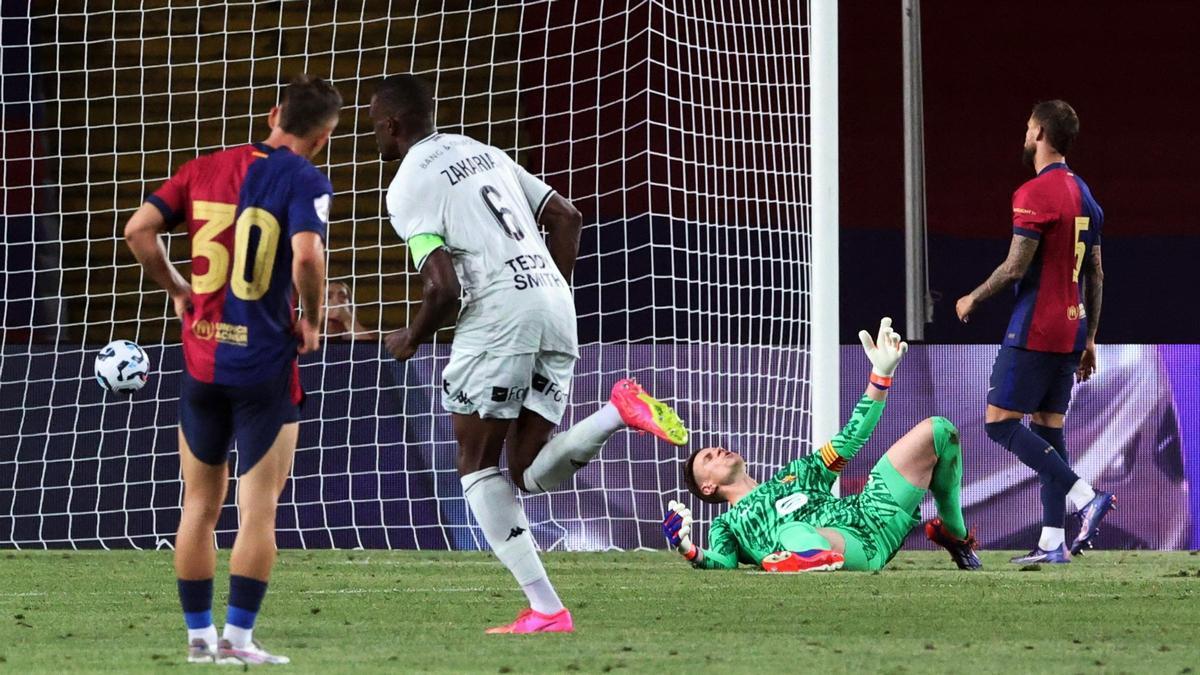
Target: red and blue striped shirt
x=1058 y=210
x=242 y=206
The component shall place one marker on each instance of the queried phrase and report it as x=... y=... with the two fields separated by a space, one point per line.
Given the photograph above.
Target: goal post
x=825 y=417
x=698 y=139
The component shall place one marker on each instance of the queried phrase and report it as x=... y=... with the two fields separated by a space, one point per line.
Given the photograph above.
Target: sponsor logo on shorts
x=545 y=387
x=505 y=394
x=462 y=398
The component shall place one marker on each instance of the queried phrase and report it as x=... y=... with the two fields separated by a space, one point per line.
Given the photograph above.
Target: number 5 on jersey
x=1081 y=226
x=219 y=217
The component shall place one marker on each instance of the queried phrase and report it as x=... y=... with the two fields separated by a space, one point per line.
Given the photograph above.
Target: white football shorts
x=496 y=386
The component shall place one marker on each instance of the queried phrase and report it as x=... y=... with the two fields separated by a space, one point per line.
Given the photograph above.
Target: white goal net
x=680 y=129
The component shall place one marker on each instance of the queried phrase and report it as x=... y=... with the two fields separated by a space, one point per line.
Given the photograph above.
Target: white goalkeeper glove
x=677 y=528
x=885 y=351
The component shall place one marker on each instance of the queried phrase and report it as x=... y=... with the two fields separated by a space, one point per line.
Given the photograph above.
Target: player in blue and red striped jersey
x=257 y=217
x=1054 y=261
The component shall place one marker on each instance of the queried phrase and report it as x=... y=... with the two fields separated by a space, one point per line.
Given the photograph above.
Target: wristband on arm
x=880 y=381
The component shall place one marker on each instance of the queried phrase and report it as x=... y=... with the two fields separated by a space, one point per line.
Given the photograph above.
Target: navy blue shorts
x=1028 y=381
x=212 y=415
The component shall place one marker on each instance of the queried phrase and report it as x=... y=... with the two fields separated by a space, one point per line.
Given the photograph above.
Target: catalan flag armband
x=833 y=461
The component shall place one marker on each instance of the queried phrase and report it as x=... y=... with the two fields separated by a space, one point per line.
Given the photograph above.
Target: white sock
x=542 y=597
x=572 y=449
x=1052 y=538
x=208 y=633
x=240 y=637
x=506 y=529
x=1081 y=493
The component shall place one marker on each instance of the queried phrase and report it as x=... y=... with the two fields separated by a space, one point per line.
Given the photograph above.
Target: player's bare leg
x=526 y=437
x=913 y=455
x=504 y=524
x=204 y=487
x=254 y=549
x=258 y=498
x=929 y=456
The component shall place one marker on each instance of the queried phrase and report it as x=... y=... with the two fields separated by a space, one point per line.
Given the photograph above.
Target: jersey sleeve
x=1032 y=213
x=172 y=197
x=721 y=553
x=537 y=192
x=308 y=208
x=810 y=472
x=821 y=468
x=413 y=211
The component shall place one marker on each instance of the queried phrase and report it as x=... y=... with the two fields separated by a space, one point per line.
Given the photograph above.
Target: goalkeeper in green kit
x=794 y=523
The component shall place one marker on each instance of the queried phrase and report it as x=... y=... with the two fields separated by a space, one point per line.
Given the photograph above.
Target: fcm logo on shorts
x=544 y=386
x=504 y=394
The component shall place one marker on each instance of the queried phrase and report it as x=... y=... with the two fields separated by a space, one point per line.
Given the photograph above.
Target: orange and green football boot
x=643 y=412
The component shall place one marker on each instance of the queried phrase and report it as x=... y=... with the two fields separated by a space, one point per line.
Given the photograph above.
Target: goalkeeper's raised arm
x=885 y=353
x=793 y=522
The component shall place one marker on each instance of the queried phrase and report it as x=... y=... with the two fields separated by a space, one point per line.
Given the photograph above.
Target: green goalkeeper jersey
x=798 y=493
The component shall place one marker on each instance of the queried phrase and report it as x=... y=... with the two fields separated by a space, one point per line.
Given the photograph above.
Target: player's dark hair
x=1059 y=121
x=407 y=97
x=689 y=479
x=308 y=103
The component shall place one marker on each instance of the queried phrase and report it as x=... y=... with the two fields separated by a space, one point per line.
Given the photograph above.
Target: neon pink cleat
x=529 y=621
x=791 y=562
x=646 y=413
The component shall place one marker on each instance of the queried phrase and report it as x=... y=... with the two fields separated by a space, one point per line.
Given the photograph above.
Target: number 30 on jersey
x=249 y=284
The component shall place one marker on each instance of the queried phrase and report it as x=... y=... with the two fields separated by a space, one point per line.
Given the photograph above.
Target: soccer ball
x=122 y=367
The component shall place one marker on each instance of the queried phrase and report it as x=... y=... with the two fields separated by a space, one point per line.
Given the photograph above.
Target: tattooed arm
x=1020 y=256
x=1093 y=294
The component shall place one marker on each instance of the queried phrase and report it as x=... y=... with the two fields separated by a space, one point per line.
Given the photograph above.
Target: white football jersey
x=485 y=207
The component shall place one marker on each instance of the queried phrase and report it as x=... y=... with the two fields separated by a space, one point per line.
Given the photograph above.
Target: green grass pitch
x=400 y=612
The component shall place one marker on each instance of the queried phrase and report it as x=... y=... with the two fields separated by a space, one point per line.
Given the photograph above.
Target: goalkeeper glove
x=885 y=351
x=677 y=528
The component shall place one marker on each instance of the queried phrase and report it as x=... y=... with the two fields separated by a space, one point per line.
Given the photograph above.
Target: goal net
x=681 y=130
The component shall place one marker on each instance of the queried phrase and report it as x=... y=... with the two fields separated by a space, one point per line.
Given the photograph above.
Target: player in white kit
x=470 y=216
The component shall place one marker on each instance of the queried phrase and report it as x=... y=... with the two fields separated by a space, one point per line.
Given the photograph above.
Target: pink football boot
x=529 y=621
x=643 y=412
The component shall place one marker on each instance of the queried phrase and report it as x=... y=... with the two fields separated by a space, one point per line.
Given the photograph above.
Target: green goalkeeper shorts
x=886 y=510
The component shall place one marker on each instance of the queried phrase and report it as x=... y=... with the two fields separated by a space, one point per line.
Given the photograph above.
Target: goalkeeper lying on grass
x=793 y=523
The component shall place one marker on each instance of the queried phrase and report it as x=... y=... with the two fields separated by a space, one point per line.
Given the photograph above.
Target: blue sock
x=195 y=596
x=1054 y=497
x=245 y=598
x=1034 y=452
